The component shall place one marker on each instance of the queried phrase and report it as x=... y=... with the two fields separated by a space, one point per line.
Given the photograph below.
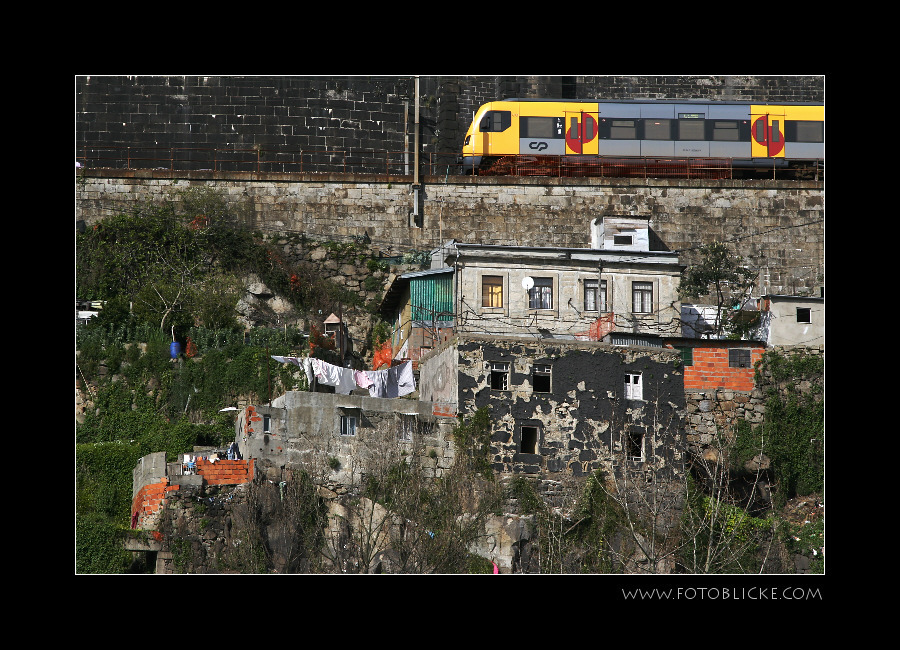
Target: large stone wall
x=277 y=116
x=778 y=226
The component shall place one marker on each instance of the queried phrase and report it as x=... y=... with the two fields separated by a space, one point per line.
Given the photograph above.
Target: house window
x=529 y=441
x=687 y=356
x=406 y=428
x=500 y=376
x=267 y=423
x=540 y=296
x=642 y=297
x=623 y=240
x=348 y=425
x=540 y=378
x=804 y=315
x=491 y=291
x=633 y=386
x=739 y=358
x=591 y=289
x=634 y=444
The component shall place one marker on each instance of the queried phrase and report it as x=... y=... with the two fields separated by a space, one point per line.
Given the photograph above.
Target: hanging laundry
x=297 y=361
x=393 y=382
x=406 y=381
x=377 y=382
x=341 y=378
x=362 y=379
x=308 y=369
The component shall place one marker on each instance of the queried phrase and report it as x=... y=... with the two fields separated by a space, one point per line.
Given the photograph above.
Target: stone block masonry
x=777 y=225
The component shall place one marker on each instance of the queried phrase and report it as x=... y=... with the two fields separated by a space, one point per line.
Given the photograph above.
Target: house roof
x=551 y=254
x=778 y=296
x=395 y=290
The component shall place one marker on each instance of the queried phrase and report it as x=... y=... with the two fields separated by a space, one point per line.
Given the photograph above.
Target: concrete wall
x=782 y=323
x=305 y=430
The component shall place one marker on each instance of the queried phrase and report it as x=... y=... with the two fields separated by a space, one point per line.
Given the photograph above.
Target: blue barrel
x=175 y=349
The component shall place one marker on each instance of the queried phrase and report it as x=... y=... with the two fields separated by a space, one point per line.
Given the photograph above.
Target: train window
x=657 y=130
x=540 y=127
x=810 y=131
x=725 y=130
x=691 y=130
x=776 y=131
x=495 y=121
x=623 y=130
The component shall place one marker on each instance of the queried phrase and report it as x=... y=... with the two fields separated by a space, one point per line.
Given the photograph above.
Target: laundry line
x=396 y=381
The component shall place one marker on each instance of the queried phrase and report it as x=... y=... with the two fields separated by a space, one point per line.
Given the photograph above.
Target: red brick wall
x=225 y=472
x=149 y=500
x=710 y=370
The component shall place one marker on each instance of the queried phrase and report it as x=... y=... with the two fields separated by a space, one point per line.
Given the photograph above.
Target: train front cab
x=490 y=134
x=537 y=128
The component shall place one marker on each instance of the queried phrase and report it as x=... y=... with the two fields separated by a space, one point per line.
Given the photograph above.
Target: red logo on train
x=575 y=135
x=762 y=125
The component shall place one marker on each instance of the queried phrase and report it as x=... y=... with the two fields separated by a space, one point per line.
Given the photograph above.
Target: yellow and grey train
x=749 y=135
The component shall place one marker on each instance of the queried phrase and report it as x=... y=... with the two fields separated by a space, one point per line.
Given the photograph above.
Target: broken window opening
x=540 y=378
x=528 y=444
x=634 y=442
x=500 y=376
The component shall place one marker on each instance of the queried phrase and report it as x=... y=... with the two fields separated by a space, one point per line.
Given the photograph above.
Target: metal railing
x=362 y=161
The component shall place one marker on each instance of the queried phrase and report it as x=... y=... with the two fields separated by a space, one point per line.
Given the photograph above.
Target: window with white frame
x=595 y=295
x=540 y=296
x=634 y=388
x=500 y=375
x=267 y=423
x=642 y=297
x=348 y=425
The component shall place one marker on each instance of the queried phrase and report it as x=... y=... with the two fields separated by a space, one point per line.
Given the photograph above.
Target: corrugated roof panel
x=431 y=297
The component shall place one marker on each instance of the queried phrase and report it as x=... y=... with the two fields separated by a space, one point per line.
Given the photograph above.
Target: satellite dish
x=527 y=283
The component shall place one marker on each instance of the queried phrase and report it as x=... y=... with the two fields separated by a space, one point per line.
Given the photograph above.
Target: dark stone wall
x=276 y=117
x=583 y=415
